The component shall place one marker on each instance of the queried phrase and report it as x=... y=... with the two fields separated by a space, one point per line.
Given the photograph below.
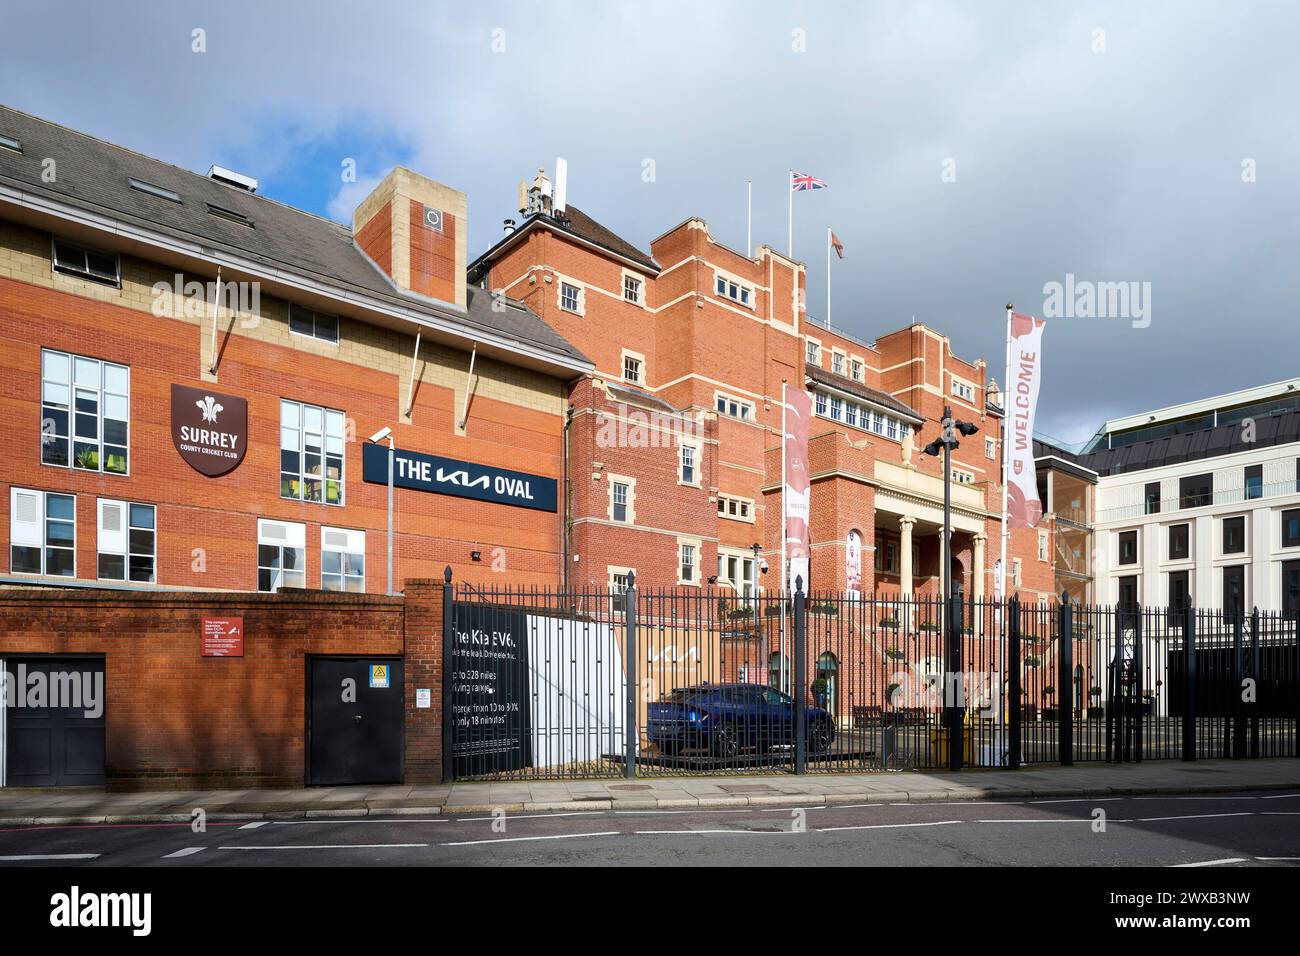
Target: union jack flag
x=801 y=181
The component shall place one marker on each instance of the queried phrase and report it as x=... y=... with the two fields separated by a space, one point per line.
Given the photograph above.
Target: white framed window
x=311 y=452
x=622 y=499
x=1015 y=572
x=837 y=363
x=85 y=413
x=733 y=407
x=126 y=542
x=86 y=263
x=633 y=367
x=633 y=288
x=281 y=555
x=570 y=297
x=837 y=408
x=690 y=467
x=1042 y=545
x=728 y=287
x=620 y=579
x=736 y=569
x=813 y=352
x=963 y=390
x=736 y=509
x=687 y=552
x=342 y=560
x=855 y=369
x=42 y=533
x=963 y=477
x=313 y=324
x=990 y=447
x=820 y=403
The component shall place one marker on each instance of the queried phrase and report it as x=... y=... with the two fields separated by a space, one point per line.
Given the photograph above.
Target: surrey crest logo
x=209 y=448
x=209 y=407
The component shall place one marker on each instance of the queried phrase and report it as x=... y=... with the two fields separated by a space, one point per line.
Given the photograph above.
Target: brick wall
x=176 y=719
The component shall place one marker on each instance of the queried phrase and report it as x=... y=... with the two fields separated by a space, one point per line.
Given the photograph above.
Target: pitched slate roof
x=94 y=176
x=865 y=392
x=1214 y=442
x=576 y=223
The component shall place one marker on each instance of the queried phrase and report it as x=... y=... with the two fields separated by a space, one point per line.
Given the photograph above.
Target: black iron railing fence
x=549 y=683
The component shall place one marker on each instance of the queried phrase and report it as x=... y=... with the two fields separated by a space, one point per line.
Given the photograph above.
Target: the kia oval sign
x=209 y=429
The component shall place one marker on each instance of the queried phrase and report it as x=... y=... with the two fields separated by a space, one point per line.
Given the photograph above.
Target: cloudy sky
x=975 y=151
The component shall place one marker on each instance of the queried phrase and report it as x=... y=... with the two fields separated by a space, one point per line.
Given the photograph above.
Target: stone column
x=978 y=573
x=905 y=557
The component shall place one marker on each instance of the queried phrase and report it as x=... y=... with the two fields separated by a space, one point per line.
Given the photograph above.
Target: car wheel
x=820 y=736
x=724 y=743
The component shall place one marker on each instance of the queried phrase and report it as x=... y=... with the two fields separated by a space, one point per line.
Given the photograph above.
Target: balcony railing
x=1229 y=496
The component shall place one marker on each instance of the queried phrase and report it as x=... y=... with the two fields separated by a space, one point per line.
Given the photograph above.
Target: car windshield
x=774 y=696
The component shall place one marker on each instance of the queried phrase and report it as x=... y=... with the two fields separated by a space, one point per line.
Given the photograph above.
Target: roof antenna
x=561 y=186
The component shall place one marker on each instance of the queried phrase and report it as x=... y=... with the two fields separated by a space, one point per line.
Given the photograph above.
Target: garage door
x=355 y=720
x=56 y=738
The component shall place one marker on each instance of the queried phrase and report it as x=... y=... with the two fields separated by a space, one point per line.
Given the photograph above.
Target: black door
x=355 y=720
x=56 y=738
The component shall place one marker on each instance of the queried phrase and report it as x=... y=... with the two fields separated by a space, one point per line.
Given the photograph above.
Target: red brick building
x=109 y=302
x=695 y=331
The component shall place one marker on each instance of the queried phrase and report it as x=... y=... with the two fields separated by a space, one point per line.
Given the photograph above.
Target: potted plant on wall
x=821 y=692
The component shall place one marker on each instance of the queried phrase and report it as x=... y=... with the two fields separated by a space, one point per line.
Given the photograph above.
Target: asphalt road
x=1248 y=829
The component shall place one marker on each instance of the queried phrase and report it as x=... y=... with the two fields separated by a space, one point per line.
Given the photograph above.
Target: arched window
x=824 y=684
x=777 y=666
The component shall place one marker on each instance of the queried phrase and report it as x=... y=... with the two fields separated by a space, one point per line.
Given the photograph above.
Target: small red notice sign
x=223 y=637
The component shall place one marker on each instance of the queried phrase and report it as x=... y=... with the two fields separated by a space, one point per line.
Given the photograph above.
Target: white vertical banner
x=1024 y=374
x=797 y=483
x=853 y=564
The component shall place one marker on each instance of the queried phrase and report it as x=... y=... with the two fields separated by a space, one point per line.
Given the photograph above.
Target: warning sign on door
x=223 y=636
x=379 y=674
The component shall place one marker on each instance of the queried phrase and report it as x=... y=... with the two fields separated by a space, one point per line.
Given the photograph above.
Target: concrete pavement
x=45 y=807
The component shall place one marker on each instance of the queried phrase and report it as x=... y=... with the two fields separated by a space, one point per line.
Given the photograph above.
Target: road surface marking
x=298 y=823
x=49 y=856
x=558 y=836
x=254 y=826
x=959 y=803
x=1277 y=857
x=1197 y=816
x=1223 y=862
x=706 y=832
x=524 y=816
x=328 y=846
x=889 y=826
x=188 y=851
x=1281 y=796
x=639 y=813
x=1280 y=813
x=1081 y=800
x=1037 y=820
x=1195 y=798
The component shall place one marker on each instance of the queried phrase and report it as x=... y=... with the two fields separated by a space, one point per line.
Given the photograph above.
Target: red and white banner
x=798 y=488
x=1024 y=509
x=853 y=564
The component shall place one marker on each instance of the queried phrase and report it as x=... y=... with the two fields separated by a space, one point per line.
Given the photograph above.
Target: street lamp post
x=386 y=434
x=944 y=445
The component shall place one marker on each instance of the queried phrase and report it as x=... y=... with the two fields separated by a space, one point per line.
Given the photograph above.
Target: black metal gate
x=693 y=680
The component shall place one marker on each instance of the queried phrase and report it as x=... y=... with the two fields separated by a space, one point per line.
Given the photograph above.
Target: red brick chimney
x=414 y=229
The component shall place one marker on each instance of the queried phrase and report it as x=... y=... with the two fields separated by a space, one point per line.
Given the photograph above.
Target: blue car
x=724 y=719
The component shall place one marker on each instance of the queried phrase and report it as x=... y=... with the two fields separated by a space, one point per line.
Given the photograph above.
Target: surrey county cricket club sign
x=209 y=429
x=464 y=479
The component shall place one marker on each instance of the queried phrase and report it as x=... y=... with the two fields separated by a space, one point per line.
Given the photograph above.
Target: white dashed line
x=1197 y=816
x=48 y=856
x=890 y=826
x=299 y=823
x=187 y=851
x=559 y=836
x=712 y=832
x=331 y=846
x=254 y=825
x=1223 y=862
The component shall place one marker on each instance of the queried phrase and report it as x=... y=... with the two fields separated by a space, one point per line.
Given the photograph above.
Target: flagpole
x=1006 y=531
x=789 y=188
x=828 y=277
x=749 y=218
